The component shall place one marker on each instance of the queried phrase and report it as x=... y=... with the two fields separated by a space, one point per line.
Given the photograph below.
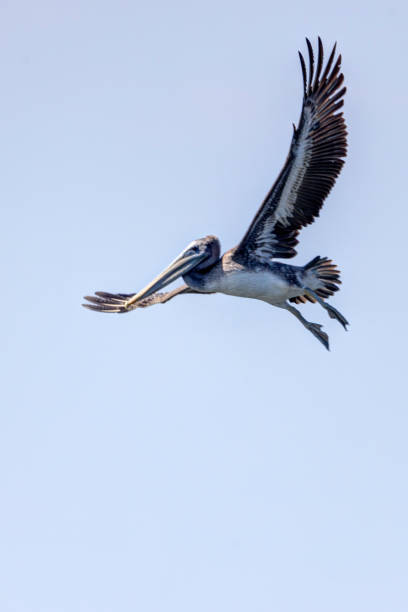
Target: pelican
x=315 y=159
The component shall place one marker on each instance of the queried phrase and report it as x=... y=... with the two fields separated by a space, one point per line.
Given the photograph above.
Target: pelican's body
x=249 y=270
x=271 y=282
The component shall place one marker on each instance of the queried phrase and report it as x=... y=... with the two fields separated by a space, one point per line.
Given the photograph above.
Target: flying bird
x=315 y=159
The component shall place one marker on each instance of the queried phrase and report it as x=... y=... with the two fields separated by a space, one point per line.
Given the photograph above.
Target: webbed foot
x=335 y=314
x=317 y=331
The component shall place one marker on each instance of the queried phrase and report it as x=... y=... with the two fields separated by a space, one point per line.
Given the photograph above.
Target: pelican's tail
x=321 y=275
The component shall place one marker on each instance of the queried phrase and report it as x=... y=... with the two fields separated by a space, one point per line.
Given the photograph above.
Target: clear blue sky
x=207 y=455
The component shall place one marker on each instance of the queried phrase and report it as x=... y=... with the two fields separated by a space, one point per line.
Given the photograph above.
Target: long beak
x=177 y=268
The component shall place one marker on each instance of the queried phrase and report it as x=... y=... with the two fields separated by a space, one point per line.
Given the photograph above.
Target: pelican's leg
x=314 y=328
x=333 y=312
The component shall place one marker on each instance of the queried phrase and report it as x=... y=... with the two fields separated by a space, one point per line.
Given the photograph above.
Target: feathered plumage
x=103 y=301
x=315 y=159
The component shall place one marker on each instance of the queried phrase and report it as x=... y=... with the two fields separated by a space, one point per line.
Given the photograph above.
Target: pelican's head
x=207 y=251
x=198 y=255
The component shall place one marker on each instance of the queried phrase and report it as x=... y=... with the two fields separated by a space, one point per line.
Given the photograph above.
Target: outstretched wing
x=315 y=160
x=116 y=302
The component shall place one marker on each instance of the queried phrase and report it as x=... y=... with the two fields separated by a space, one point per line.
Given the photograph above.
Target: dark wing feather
x=116 y=302
x=315 y=159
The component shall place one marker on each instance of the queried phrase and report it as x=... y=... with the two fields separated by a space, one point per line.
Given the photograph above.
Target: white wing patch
x=303 y=155
x=266 y=240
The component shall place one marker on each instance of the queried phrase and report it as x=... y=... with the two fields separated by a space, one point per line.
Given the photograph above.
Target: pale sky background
x=207 y=455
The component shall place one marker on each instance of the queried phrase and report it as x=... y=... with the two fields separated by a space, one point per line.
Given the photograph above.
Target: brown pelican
x=248 y=270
